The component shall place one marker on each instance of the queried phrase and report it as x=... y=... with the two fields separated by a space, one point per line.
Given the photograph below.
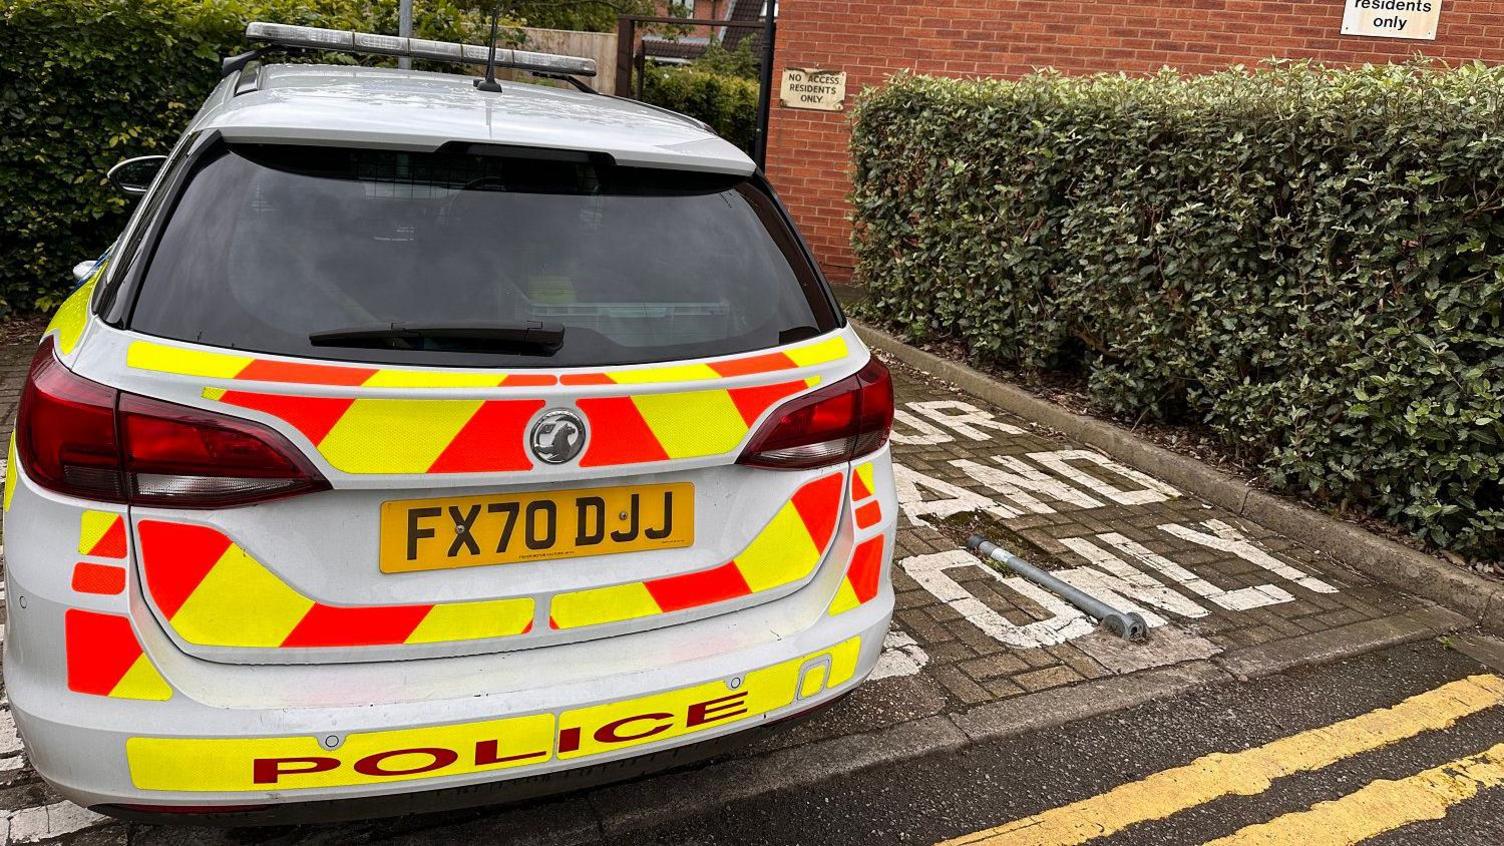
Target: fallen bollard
x=1125 y=624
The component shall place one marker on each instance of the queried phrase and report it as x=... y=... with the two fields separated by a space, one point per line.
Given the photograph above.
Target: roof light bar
x=347 y=41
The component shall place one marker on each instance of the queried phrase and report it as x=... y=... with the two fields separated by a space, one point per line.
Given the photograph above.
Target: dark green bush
x=1310 y=261
x=86 y=83
x=728 y=103
x=742 y=62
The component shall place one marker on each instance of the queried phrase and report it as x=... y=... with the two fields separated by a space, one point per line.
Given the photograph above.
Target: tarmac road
x=1055 y=775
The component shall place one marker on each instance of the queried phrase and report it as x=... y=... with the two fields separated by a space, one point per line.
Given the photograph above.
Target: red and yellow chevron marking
x=861 y=482
x=863 y=576
x=162 y=358
x=105 y=579
x=105 y=658
x=864 y=571
x=786 y=551
x=661 y=427
x=866 y=514
x=214 y=594
x=403 y=435
x=821 y=352
x=477 y=436
x=101 y=534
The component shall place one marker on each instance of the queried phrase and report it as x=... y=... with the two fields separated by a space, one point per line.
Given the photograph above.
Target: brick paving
x=15 y=357
x=964 y=634
x=973 y=667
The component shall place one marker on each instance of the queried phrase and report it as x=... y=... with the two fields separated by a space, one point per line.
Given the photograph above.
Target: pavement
x=994 y=702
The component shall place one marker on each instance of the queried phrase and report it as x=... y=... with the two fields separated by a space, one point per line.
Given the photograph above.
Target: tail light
x=834 y=424
x=84 y=439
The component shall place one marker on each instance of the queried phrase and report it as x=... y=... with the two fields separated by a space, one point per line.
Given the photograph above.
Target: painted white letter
x=1152 y=489
x=927 y=434
x=1064 y=623
x=958 y=499
x=1227 y=539
x=967 y=421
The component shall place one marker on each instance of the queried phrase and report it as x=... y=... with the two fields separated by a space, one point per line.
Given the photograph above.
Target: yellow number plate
x=470 y=531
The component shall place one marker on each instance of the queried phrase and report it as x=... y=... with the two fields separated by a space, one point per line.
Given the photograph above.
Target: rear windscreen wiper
x=524 y=338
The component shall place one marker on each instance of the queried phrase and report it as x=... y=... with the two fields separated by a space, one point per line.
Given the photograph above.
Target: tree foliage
x=742 y=62
x=1308 y=260
x=582 y=15
x=86 y=83
x=727 y=103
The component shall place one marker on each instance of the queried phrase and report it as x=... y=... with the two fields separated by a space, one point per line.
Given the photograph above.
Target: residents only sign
x=811 y=88
x=1392 y=18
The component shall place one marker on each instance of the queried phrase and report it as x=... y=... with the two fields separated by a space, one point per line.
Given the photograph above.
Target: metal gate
x=631 y=55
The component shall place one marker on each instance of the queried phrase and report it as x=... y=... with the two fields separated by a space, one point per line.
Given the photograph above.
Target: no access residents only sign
x=1392 y=18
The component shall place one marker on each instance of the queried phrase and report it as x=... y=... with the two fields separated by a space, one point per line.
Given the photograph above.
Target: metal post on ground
x=765 y=88
x=1128 y=625
x=405 y=29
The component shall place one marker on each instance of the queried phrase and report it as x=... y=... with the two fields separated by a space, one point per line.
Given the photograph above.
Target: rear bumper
x=176 y=731
x=428 y=800
x=179 y=752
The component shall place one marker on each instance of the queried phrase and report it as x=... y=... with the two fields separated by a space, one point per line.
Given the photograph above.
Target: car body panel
x=416 y=110
x=145 y=642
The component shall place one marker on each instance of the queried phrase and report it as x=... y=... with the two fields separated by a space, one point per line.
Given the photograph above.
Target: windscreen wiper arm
x=525 y=338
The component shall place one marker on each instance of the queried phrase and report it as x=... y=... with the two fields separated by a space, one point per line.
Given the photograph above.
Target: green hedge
x=85 y=83
x=1309 y=261
x=728 y=103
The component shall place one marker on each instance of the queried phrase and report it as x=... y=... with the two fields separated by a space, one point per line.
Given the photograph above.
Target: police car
x=420 y=441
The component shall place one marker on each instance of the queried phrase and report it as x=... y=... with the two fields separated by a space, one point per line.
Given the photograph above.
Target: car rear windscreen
x=270 y=247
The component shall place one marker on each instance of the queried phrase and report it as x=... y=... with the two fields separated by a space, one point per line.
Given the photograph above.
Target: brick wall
x=869 y=39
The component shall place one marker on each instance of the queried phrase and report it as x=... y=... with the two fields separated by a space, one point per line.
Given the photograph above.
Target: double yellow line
x=1380 y=806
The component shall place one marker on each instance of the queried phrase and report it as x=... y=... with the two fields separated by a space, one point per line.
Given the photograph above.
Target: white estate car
x=423 y=441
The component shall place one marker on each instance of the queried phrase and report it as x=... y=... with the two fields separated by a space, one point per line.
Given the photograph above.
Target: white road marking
x=1014 y=486
x=30 y=825
x=1117 y=578
x=1243 y=599
x=966 y=423
x=956 y=499
x=927 y=435
x=1150 y=490
x=901 y=656
x=1227 y=539
x=1063 y=623
x=1108 y=578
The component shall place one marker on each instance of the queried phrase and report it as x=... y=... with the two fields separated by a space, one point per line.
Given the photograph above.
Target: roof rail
x=348 y=41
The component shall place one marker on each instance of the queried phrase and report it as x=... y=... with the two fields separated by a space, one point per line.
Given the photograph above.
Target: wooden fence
x=600 y=46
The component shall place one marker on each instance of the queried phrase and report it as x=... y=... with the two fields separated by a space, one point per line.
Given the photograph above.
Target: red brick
x=870 y=39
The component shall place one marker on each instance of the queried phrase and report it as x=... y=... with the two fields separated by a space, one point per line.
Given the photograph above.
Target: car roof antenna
x=490 y=83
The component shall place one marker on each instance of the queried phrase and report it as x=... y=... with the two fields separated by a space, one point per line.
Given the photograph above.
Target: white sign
x=1392 y=18
x=811 y=88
